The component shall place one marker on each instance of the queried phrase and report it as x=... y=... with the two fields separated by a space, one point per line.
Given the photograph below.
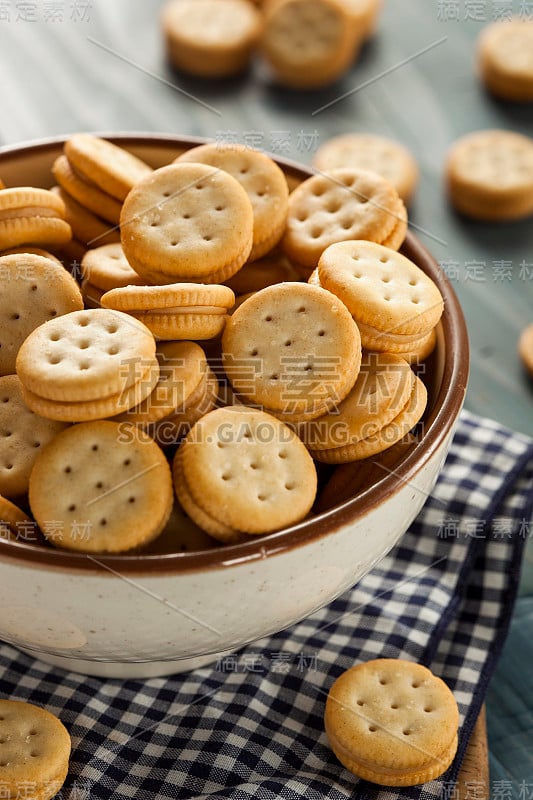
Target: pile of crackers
x=305 y=43
x=235 y=337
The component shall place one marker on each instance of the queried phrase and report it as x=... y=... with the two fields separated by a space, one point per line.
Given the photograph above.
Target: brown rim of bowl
x=438 y=424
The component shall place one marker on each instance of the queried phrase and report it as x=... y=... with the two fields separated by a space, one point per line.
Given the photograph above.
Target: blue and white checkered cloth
x=251 y=726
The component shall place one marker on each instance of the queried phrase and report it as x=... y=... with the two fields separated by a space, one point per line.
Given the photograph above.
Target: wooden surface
x=473 y=781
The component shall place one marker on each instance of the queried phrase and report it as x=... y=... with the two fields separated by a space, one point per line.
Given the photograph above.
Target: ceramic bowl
x=153 y=614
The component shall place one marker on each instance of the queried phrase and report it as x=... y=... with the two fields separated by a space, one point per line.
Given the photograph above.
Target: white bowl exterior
x=107 y=624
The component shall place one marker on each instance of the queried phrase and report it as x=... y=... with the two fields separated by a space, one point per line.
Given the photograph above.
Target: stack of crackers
x=235 y=336
x=306 y=43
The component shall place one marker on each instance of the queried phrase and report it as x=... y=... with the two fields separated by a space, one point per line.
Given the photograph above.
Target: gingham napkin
x=251 y=725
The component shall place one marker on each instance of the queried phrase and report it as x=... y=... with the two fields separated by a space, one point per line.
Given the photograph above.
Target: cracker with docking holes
x=34 y=290
x=34 y=751
x=337 y=206
x=87 y=193
x=175 y=311
x=112 y=168
x=187 y=222
x=87 y=365
x=368 y=151
x=385 y=437
x=210 y=38
x=490 y=175
x=109 y=485
x=392 y=722
x=246 y=470
x=525 y=348
x=414 y=348
x=22 y=435
x=32 y=216
x=308 y=43
x=87 y=228
x=86 y=355
x=505 y=59
x=381 y=288
x=292 y=349
x=382 y=389
x=263 y=181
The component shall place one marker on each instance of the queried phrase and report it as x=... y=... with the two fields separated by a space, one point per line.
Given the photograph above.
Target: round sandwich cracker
x=392 y=722
x=34 y=290
x=293 y=349
x=263 y=181
x=247 y=470
x=109 y=484
x=187 y=222
x=34 y=750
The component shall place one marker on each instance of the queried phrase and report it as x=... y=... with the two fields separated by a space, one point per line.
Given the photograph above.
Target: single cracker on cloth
x=112 y=168
x=32 y=216
x=263 y=182
x=340 y=205
x=505 y=59
x=489 y=175
x=187 y=222
x=246 y=470
x=388 y=158
x=308 y=43
x=34 y=290
x=392 y=722
x=108 y=484
x=175 y=311
x=210 y=38
x=292 y=349
x=34 y=751
x=22 y=435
